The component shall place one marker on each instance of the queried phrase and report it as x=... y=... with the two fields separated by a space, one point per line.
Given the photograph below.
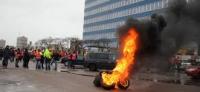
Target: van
x=95 y=61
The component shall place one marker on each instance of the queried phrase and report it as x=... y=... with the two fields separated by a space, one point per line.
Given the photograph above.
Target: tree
x=76 y=44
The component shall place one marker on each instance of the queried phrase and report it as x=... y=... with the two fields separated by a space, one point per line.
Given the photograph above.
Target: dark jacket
x=56 y=56
x=1 y=52
x=26 y=56
x=6 y=53
x=12 y=53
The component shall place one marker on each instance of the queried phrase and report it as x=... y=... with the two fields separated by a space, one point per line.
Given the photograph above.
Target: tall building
x=2 y=43
x=103 y=17
x=22 y=42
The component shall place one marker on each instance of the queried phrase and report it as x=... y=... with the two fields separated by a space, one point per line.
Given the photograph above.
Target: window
x=103 y=56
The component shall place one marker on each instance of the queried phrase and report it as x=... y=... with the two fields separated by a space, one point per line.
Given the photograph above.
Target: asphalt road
x=22 y=80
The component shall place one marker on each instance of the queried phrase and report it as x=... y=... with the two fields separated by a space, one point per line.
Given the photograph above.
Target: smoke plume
x=149 y=33
x=161 y=37
x=183 y=25
x=149 y=41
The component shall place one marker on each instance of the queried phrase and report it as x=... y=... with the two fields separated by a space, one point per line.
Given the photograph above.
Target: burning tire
x=124 y=85
x=98 y=82
x=128 y=38
x=107 y=87
x=104 y=85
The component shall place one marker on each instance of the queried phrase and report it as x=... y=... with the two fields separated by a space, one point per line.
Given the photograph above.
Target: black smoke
x=183 y=25
x=149 y=33
x=162 y=36
x=149 y=41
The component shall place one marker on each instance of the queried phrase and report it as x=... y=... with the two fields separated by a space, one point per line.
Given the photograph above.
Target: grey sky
x=38 y=19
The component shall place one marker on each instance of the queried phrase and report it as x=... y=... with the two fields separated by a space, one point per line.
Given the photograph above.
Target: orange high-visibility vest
x=62 y=53
x=38 y=55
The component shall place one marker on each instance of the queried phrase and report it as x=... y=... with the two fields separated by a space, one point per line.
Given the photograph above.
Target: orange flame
x=125 y=63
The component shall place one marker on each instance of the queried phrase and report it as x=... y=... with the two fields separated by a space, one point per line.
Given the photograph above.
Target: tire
x=107 y=87
x=97 y=81
x=124 y=86
x=92 y=67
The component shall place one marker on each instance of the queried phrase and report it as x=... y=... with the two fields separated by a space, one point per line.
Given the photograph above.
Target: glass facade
x=103 y=17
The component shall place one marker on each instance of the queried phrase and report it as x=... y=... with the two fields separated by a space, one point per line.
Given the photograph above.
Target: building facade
x=103 y=17
x=2 y=43
x=22 y=42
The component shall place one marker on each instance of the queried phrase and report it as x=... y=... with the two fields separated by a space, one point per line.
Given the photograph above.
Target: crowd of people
x=44 y=58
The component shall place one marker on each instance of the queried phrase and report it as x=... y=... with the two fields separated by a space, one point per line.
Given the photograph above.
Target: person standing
x=48 y=57
x=63 y=55
x=33 y=54
x=18 y=57
x=1 y=53
x=12 y=55
x=26 y=58
x=55 y=59
x=6 y=56
x=74 y=56
x=38 y=55
x=42 y=59
x=73 y=59
x=69 y=59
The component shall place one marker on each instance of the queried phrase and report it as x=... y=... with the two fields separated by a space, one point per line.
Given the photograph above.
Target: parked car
x=95 y=61
x=193 y=71
x=79 y=61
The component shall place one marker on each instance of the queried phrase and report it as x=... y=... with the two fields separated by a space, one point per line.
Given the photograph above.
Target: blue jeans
x=54 y=61
x=38 y=64
x=47 y=62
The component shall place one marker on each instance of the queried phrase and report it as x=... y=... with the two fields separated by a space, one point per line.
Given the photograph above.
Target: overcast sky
x=38 y=19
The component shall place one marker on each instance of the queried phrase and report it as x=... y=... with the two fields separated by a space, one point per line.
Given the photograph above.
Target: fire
x=126 y=61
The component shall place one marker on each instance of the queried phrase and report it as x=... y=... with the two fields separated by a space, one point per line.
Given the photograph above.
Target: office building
x=103 y=17
x=22 y=42
x=2 y=43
